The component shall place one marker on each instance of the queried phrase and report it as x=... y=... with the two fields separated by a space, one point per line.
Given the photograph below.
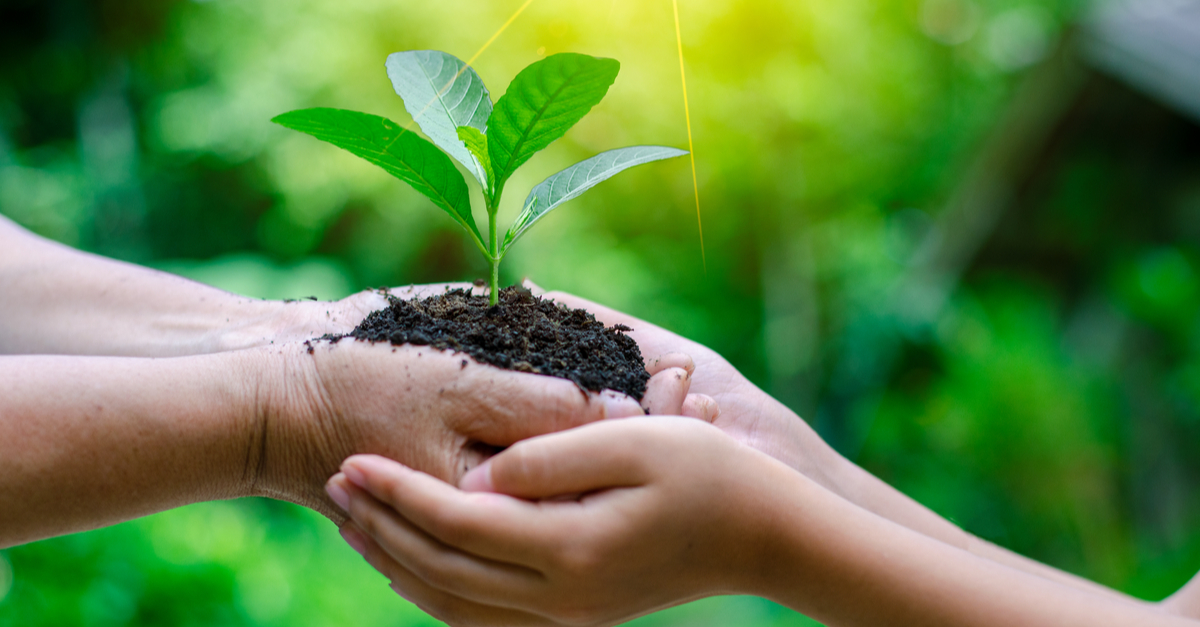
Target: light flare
x=470 y=61
x=687 y=111
x=687 y=116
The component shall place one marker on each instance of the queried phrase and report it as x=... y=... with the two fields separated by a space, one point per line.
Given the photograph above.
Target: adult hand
x=301 y=320
x=92 y=441
x=746 y=412
x=675 y=522
x=434 y=410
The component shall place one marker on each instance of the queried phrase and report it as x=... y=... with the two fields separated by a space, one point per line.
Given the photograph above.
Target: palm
x=747 y=413
x=304 y=320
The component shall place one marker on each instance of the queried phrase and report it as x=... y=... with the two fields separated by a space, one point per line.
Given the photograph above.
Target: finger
x=500 y=408
x=409 y=292
x=701 y=406
x=444 y=567
x=444 y=606
x=491 y=526
x=653 y=340
x=604 y=314
x=603 y=455
x=666 y=391
x=671 y=360
x=532 y=287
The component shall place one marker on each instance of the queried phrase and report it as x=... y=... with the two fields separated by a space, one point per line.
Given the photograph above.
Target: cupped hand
x=438 y=411
x=746 y=413
x=673 y=522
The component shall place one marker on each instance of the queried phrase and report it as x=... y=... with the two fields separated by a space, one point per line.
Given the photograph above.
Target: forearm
x=846 y=566
x=813 y=457
x=870 y=493
x=57 y=300
x=91 y=441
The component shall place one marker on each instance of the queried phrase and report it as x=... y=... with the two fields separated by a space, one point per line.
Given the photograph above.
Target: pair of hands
x=662 y=519
x=223 y=396
x=606 y=522
x=436 y=411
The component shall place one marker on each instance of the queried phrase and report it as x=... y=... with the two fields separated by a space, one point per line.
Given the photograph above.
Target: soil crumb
x=522 y=332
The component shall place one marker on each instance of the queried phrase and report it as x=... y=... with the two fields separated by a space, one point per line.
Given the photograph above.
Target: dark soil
x=522 y=332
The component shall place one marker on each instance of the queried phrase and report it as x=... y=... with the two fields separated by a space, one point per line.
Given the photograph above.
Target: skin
x=179 y=393
x=60 y=301
x=754 y=418
x=854 y=499
x=675 y=510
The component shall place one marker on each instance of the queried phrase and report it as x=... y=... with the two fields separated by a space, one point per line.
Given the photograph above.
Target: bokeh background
x=960 y=237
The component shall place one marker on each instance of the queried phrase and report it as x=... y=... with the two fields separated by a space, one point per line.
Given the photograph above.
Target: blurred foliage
x=1052 y=406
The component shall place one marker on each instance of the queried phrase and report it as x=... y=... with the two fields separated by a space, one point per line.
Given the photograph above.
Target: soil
x=522 y=332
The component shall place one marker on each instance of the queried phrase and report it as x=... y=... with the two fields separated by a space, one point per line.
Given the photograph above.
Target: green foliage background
x=1051 y=406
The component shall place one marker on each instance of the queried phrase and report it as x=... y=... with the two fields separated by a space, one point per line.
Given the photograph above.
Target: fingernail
x=478 y=479
x=619 y=406
x=355 y=540
x=338 y=493
x=354 y=475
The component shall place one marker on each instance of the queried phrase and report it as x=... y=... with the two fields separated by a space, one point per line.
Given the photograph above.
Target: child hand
x=666 y=517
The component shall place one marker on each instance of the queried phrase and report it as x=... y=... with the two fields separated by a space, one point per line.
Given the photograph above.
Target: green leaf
x=476 y=142
x=442 y=93
x=403 y=154
x=577 y=179
x=542 y=103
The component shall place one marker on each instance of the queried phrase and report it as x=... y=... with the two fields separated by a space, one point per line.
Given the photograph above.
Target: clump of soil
x=522 y=332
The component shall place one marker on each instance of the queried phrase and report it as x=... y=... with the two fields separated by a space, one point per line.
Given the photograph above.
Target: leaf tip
x=286 y=120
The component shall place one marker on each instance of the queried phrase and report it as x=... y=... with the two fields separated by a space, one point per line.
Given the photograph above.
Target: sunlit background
x=960 y=237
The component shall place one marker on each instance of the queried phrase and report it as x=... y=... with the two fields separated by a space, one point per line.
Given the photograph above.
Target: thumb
x=502 y=408
x=594 y=457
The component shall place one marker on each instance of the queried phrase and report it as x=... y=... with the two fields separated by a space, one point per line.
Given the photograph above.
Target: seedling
x=452 y=106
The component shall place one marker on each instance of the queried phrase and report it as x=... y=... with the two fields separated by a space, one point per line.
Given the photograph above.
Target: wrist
x=784 y=435
x=766 y=519
x=293 y=444
x=240 y=388
x=274 y=323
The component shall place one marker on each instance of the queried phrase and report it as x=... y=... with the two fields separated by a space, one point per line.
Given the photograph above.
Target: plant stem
x=495 y=297
x=494 y=257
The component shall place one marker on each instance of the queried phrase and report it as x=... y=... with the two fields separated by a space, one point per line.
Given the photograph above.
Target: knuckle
x=525 y=467
x=488 y=407
x=553 y=410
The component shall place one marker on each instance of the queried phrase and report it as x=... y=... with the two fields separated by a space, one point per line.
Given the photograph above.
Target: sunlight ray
x=687 y=115
x=471 y=61
x=687 y=112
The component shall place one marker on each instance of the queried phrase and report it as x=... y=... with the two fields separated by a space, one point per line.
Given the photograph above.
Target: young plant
x=450 y=103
